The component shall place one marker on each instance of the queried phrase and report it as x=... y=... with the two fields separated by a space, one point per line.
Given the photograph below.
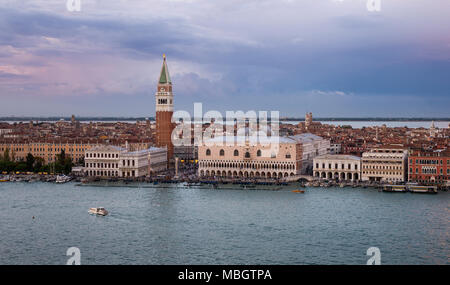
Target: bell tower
x=164 y=111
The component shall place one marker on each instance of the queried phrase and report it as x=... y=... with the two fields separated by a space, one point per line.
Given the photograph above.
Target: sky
x=334 y=58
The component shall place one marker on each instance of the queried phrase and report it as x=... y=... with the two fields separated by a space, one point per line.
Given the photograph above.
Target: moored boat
x=63 y=179
x=422 y=189
x=395 y=188
x=4 y=179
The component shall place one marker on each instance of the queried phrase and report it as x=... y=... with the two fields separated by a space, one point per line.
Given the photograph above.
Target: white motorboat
x=98 y=211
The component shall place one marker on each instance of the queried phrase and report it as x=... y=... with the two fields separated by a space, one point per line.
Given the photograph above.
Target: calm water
x=204 y=226
x=390 y=124
x=354 y=124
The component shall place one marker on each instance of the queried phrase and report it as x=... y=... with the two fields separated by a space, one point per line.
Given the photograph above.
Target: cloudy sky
x=329 y=57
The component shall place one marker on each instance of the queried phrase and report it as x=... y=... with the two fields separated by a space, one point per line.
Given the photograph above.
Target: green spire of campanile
x=164 y=78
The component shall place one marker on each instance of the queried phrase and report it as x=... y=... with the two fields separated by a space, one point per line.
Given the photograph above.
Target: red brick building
x=164 y=111
x=429 y=167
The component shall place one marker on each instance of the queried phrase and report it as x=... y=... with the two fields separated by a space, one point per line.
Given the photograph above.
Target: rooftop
x=106 y=148
x=164 y=78
x=338 y=156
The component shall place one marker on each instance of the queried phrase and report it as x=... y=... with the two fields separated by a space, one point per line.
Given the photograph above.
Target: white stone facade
x=312 y=146
x=337 y=167
x=243 y=157
x=143 y=162
x=386 y=164
x=113 y=161
x=102 y=161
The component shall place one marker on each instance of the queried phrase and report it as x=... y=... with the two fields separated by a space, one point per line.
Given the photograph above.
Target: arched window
x=236 y=152
x=222 y=152
x=288 y=155
x=247 y=154
x=208 y=152
x=258 y=153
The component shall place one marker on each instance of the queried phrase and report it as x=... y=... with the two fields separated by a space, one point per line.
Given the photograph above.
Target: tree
x=6 y=155
x=30 y=162
x=21 y=166
x=63 y=163
x=61 y=157
x=39 y=165
x=7 y=166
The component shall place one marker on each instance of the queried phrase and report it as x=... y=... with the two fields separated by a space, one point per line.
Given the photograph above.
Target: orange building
x=18 y=150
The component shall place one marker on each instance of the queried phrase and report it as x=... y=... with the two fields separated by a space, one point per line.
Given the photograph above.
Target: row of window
x=366 y=161
x=127 y=162
x=242 y=165
x=382 y=167
x=429 y=170
x=102 y=155
x=336 y=166
x=164 y=101
x=246 y=155
x=21 y=149
x=102 y=165
x=246 y=174
x=110 y=173
x=438 y=181
x=429 y=161
x=382 y=173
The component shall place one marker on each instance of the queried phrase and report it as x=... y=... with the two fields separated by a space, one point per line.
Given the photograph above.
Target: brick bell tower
x=164 y=111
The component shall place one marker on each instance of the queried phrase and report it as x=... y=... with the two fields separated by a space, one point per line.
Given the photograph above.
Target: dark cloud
x=276 y=62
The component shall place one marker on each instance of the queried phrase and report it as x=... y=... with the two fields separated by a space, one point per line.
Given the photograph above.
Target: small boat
x=63 y=179
x=98 y=211
x=298 y=191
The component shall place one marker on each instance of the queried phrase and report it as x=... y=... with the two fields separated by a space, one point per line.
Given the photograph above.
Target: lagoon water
x=179 y=225
x=354 y=124
x=390 y=124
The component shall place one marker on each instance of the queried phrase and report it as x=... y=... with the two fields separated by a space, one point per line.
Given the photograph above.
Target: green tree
x=21 y=166
x=61 y=157
x=6 y=155
x=63 y=163
x=7 y=166
x=30 y=162
x=39 y=165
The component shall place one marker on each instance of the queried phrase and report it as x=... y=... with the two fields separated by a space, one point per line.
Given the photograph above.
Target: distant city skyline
x=332 y=58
